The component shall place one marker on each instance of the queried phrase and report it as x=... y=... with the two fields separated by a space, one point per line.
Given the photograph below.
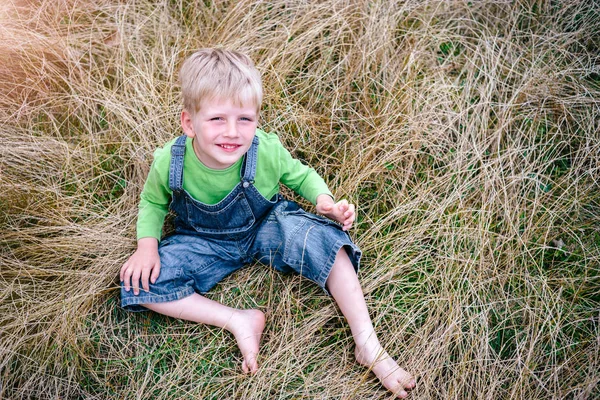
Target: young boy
x=222 y=179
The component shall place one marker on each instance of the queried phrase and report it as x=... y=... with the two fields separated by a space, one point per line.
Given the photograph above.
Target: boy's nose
x=231 y=130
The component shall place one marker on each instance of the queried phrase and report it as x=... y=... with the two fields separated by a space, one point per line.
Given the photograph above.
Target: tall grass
x=467 y=133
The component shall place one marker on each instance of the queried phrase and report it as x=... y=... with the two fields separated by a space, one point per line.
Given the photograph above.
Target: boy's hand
x=143 y=265
x=342 y=211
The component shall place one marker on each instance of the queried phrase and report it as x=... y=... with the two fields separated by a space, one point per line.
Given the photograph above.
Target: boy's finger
x=351 y=215
x=145 y=277
x=126 y=279
x=350 y=218
x=326 y=206
x=122 y=272
x=155 y=273
x=135 y=283
x=350 y=210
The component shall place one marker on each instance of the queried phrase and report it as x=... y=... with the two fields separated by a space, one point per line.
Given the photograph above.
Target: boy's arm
x=144 y=264
x=154 y=201
x=302 y=179
x=309 y=184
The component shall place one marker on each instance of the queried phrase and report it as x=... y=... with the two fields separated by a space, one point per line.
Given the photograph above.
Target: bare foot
x=373 y=356
x=247 y=327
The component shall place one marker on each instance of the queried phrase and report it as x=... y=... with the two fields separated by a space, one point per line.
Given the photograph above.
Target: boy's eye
x=246 y=119
x=216 y=119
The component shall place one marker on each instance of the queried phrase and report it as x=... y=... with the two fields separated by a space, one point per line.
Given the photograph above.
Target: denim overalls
x=212 y=241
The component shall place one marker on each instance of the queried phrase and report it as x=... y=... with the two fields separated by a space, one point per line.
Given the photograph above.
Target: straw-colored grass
x=467 y=133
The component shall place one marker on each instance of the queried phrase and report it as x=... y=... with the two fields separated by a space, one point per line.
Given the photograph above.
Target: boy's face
x=222 y=131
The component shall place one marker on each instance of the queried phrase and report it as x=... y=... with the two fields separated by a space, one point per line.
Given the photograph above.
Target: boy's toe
x=250 y=365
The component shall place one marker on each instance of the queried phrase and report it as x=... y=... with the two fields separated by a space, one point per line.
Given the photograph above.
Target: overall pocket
x=235 y=217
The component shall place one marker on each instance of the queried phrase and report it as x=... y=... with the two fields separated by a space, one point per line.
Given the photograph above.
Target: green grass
x=466 y=133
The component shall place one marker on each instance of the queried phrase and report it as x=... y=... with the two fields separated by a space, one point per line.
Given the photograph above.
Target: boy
x=222 y=181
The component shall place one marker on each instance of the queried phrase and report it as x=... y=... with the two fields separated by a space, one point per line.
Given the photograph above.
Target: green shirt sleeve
x=302 y=179
x=155 y=196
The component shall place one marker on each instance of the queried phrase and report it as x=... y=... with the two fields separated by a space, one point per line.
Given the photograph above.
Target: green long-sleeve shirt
x=275 y=165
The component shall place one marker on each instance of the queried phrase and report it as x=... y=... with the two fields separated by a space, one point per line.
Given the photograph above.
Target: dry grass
x=466 y=132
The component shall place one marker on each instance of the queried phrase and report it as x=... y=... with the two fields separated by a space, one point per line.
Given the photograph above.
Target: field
x=466 y=132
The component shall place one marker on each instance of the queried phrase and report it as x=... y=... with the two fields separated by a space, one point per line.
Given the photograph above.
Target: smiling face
x=222 y=131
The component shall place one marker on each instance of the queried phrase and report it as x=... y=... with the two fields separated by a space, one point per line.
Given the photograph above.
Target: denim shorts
x=289 y=239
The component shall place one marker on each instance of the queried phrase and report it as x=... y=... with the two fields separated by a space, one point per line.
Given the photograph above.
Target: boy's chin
x=228 y=161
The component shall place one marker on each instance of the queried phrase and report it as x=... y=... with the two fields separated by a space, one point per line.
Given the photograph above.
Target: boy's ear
x=186 y=124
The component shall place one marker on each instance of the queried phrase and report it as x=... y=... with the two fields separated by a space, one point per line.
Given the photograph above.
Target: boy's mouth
x=229 y=147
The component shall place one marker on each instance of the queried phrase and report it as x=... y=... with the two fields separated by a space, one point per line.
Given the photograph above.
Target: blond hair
x=210 y=74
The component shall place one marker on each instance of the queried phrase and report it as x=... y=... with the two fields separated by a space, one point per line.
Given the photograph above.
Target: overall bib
x=212 y=241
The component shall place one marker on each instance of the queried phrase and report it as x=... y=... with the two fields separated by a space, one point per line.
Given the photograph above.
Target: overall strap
x=248 y=170
x=176 y=166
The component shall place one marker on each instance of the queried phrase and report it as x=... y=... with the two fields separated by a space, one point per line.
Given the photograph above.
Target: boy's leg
x=345 y=288
x=246 y=325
